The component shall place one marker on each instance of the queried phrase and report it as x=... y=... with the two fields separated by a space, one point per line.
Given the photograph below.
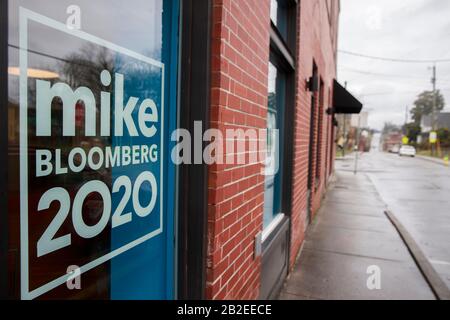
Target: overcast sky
x=399 y=29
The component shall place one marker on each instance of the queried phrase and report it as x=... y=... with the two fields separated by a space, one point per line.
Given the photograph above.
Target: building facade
x=98 y=178
x=442 y=122
x=249 y=40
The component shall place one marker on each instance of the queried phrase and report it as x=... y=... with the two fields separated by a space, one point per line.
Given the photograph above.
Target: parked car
x=408 y=151
x=394 y=149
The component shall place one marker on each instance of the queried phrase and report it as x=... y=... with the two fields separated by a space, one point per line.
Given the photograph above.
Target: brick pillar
x=240 y=56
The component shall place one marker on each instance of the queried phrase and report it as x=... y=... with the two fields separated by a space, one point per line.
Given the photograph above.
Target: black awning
x=344 y=101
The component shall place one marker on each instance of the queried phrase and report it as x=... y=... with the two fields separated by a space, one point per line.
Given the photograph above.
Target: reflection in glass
x=58 y=57
x=272 y=194
x=279 y=15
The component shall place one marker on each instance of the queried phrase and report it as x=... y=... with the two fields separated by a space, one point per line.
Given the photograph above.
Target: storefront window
x=279 y=15
x=274 y=11
x=272 y=195
x=90 y=105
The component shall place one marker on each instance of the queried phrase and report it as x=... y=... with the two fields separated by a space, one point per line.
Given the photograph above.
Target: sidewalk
x=350 y=234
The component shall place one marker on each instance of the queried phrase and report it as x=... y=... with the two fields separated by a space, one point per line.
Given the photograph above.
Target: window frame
x=320 y=131
x=283 y=57
x=4 y=149
x=276 y=242
x=291 y=23
x=194 y=105
x=277 y=180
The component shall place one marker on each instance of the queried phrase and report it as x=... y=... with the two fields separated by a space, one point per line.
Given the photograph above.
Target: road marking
x=443 y=263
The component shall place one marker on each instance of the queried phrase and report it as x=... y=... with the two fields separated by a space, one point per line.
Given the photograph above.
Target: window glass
x=279 y=16
x=89 y=109
x=272 y=195
x=320 y=133
x=274 y=11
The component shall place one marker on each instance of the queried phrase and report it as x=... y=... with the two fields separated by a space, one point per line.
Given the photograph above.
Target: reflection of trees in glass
x=77 y=69
x=271 y=123
x=272 y=101
x=142 y=80
x=83 y=68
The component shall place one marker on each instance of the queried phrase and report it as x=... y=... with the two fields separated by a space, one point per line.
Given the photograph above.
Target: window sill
x=273 y=226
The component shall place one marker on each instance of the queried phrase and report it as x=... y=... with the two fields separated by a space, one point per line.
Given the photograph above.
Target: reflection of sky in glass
x=272 y=78
x=274 y=11
x=52 y=55
x=140 y=29
x=269 y=193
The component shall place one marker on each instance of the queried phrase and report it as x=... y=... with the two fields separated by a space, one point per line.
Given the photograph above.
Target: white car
x=394 y=149
x=408 y=151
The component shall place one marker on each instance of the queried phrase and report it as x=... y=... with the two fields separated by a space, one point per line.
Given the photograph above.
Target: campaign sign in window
x=91 y=154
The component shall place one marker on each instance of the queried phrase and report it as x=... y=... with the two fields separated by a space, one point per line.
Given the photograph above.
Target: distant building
x=443 y=121
x=426 y=125
x=391 y=140
x=348 y=127
x=360 y=120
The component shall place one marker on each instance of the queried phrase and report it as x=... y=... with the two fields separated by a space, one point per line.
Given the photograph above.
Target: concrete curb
x=434 y=160
x=437 y=285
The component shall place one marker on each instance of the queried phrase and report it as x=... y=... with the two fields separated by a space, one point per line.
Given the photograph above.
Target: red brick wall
x=240 y=56
x=316 y=42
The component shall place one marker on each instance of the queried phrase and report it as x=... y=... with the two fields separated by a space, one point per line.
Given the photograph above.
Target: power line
x=378 y=74
x=395 y=93
x=410 y=78
x=392 y=59
x=40 y=53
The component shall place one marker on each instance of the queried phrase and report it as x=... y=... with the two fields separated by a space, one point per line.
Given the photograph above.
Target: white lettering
x=112 y=158
x=44 y=166
x=136 y=154
x=59 y=168
x=80 y=156
x=45 y=94
x=145 y=117
x=126 y=156
x=91 y=159
x=154 y=153
x=123 y=114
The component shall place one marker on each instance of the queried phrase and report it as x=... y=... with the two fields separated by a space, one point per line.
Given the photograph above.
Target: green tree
x=413 y=131
x=444 y=137
x=424 y=105
x=390 y=127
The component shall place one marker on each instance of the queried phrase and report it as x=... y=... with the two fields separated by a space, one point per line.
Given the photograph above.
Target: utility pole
x=406 y=120
x=345 y=128
x=434 y=112
x=358 y=133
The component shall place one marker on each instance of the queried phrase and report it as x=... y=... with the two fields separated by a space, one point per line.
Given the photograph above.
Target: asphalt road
x=417 y=191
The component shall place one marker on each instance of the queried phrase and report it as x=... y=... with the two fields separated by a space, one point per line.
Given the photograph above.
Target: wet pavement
x=350 y=235
x=417 y=192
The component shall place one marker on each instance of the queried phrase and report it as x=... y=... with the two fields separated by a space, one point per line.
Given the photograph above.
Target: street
x=417 y=191
x=352 y=236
